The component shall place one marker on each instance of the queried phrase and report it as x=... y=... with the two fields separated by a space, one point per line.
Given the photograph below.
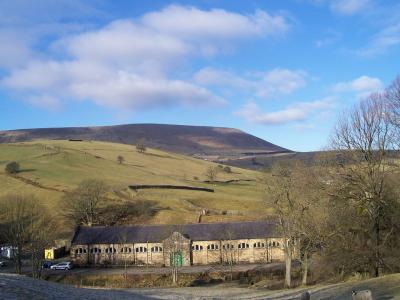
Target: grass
x=62 y=165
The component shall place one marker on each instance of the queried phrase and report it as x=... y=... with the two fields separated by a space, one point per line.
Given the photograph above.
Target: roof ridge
x=177 y=224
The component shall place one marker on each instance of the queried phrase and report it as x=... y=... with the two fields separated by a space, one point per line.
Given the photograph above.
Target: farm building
x=185 y=245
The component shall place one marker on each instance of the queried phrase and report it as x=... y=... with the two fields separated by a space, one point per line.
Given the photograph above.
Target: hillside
x=213 y=143
x=49 y=168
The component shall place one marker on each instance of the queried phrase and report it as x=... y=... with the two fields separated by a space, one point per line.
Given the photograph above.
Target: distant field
x=51 y=167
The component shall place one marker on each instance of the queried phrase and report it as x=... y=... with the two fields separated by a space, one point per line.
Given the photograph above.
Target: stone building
x=182 y=245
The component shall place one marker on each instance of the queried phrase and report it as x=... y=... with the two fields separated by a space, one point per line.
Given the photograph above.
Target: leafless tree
x=392 y=99
x=141 y=146
x=228 y=250
x=211 y=173
x=120 y=159
x=26 y=227
x=174 y=249
x=281 y=198
x=363 y=137
x=82 y=205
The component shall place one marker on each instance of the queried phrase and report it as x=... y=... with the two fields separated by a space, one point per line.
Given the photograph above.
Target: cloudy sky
x=281 y=70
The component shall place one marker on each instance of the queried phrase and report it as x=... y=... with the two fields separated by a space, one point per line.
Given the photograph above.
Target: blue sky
x=281 y=70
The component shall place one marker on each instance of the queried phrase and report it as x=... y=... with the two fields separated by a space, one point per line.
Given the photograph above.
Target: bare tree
x=141 y=146
x=26 y=227
x=174 y=249
x=41 y=236
x=228 y=250
x=281 y=197
x=83 y=204
x=124 y=240
x=363 y=138
x=211 y=173
x=120 y=159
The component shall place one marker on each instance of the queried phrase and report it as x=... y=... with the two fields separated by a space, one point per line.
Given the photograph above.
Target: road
x=22 y=287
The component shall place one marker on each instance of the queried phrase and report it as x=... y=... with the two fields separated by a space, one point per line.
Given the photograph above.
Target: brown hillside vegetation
x=212 y=143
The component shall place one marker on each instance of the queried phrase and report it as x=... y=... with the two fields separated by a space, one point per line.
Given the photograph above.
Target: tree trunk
x=288 y=263
x=305 y=268
x=18 y=258
x=377 y=240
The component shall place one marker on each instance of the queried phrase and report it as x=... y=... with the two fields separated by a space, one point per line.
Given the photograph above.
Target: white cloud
x=293 y=113
x=385 y=39
x=132 y=63
x=104 y=86
x=194 y=24
x=262 y=84
x=362 y=85
x=350 y=7
x=14 y=49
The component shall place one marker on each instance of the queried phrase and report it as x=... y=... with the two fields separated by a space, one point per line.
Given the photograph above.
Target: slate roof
x=158 y=233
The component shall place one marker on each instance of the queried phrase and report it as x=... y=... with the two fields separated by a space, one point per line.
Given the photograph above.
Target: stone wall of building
x=193 y=252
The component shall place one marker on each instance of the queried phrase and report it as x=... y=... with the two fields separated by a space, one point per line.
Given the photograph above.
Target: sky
x=281 y=70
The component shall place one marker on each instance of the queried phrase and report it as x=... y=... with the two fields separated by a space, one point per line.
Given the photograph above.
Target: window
x=227 y=246
x=126 y=250
x=141 y=249
x=274 y=244
x=80 y=251
x=110 y=250
x=197 y=247
x=212 y=247
x=243 y=246
x=95 y=250
x=259 y=245
x=156 y=249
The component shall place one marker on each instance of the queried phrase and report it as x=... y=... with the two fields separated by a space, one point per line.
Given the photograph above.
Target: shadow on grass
x=26 y=170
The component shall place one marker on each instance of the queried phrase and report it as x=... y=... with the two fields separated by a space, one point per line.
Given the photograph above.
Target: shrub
x=12 y=167
x=227 y=169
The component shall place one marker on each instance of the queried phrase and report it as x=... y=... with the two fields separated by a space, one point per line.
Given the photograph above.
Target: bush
x=12 y=167
x=227 y=169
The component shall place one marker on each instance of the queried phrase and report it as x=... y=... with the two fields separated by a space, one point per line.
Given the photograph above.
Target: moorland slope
x=49 y=168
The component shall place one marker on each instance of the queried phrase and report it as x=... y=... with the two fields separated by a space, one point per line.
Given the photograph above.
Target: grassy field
x=49 y=168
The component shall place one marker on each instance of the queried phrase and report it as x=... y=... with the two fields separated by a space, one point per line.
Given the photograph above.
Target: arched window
x=156 y=249
x=197 y=247
x=259 y=245
x=126 y=250
x=141 y=249
x=95 y=250
x=212 y=247
x=227 y=246
x=243 y=246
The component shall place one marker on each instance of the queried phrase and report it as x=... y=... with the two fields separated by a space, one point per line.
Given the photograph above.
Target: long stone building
x=184 y=245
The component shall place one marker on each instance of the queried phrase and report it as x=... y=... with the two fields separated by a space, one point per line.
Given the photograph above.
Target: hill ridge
x=192 y=140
